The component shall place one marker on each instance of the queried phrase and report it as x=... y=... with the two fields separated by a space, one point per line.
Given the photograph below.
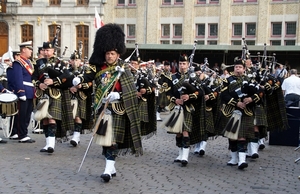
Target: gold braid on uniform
x=232 y=102
x=255 y=98
x=211 y=96
x=193 y=95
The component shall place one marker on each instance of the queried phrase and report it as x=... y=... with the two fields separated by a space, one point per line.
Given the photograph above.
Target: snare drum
x=8 y=104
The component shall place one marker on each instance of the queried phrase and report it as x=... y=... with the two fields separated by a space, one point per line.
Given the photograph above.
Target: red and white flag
x=98 y=22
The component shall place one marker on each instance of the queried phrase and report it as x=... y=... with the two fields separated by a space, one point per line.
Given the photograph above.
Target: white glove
x=23 y=98
x=113 y=96
x=120 y=69
x=76 y=81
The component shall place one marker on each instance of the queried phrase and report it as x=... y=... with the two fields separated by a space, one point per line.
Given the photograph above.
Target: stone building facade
x=164 y=27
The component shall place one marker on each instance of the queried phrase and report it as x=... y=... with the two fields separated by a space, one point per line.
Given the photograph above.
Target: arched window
x=82 y=34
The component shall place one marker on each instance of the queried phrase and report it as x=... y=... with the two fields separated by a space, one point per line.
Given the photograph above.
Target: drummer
x=19 y=81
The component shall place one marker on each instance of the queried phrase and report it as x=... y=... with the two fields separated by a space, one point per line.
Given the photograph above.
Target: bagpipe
x=263 y=72
x=144 y=77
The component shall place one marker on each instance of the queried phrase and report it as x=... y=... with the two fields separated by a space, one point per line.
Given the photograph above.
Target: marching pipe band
x=195 y=95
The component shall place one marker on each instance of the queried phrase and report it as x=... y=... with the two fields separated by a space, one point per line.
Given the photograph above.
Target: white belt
x=28 y=84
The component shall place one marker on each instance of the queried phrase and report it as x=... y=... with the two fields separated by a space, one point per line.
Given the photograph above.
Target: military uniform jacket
x=51 y=68
x=19 y=78
x=235 y=89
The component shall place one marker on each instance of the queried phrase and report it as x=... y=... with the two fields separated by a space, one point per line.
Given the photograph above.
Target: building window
x=82 y=34
x=200 y=42
x=121 y=2
x=55 y=31
x=176 y=42
x=251 y=42
x=290 y=42
x=213 y=30
x=165 y=30
x=180 y=2
x=212 y=42
x=200 y=30
x=201 y=1
x=164 y=42
x=237 y=30
x=275 y=42
x=27 y=32
x=166 y=2
x=177 y=30
x=243 y=1
x=132 y=2
x=82 y=2
x=131 y=31
x=290 y=29
x=54 y=2
x=27 y=2
x=130 y=41
x=236 y=42
x=276 y=29
x=214 y=1
x=250 y=29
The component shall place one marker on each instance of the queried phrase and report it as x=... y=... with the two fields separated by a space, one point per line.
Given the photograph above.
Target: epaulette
x=90 y=68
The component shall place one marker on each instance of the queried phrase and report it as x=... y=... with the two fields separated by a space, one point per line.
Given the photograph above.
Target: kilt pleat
x=260 y=116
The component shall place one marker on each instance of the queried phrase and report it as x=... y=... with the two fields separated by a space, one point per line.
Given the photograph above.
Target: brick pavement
x=25 y=170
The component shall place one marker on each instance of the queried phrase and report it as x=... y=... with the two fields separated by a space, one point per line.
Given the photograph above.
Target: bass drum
x=2 y=69
x=6 y=125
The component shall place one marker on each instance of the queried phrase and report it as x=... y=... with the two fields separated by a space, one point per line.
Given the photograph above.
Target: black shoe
x=242 y=166
x=177 y=161
x=3 y=141
x=43 y=150
x=202 y=152
x=230 y=164
x=261 y=146
x=74 y=143
x=105 y=177
x=50 y=150
x=254 y=156
x=184 y=163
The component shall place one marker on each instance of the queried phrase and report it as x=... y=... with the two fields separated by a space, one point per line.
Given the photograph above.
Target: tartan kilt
x=260 y=116
x=149 y=124
x=276 y=111
x=81 y=110
x=246 y=129
x=198 y=132
x=188 y=121
x=55 y=108
x=143 y=111
x=163 y=99
x=121 y=131
x=209 y=122
x=89 y=119
x=67 y=122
